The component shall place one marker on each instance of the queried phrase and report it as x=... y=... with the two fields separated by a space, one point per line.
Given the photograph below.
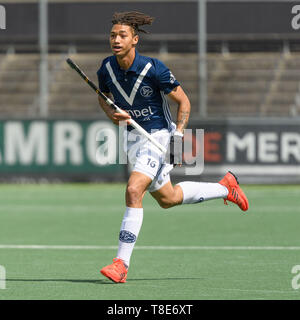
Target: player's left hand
x=176 y=147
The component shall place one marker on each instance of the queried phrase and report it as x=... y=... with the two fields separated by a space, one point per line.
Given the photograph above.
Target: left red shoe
x=235 y=193
x=116 y=271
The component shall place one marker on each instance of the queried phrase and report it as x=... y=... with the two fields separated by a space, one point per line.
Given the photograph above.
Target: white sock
x=194 y=192
x=130 y=228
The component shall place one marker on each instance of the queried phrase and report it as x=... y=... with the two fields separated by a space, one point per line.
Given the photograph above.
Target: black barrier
x=89 y=22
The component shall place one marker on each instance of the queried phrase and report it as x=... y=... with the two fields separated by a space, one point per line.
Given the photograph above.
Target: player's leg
x=133 y=216
x=146 y=163
x=130 y=226
x=188 y=192
x=136 y=188
x=168 y=196
x=194 y=192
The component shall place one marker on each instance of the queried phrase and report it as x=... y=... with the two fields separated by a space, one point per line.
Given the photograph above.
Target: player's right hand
x=117 y=117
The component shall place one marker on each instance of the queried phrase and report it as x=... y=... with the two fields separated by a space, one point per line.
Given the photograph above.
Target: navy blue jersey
x=140 y=90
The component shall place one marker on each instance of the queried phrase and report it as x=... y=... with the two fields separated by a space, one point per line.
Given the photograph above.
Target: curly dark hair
x=134 y=19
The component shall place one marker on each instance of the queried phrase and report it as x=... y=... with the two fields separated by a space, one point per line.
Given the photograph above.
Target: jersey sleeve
x=101 y=73
x=165 y=78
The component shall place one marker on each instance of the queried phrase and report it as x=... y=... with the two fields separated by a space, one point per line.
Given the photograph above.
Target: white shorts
x=146 y=158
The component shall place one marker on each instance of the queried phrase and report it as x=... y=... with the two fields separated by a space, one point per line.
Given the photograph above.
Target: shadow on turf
x=64 y=280
x=101 y=281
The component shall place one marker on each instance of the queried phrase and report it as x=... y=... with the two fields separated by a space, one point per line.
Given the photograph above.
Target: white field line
x=94 y=247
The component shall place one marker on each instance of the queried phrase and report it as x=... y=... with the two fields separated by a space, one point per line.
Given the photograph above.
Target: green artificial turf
x=199 y=258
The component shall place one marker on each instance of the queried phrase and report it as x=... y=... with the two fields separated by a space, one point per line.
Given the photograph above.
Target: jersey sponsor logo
x=146 y=91
x=127 y=236
x=137 y=113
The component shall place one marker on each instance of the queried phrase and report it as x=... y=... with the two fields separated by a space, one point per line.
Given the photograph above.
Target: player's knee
x=133 y=193
x=165 y=203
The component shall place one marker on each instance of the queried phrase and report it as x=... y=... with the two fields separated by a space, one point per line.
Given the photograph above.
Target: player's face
x=122 y=39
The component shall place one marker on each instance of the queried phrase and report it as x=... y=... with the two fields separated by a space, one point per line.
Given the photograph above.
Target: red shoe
x=116 y=271
x=235 y=193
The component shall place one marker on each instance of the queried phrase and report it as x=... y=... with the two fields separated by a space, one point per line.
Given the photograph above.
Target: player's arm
x=114 y=116
x=183 y=113
x=184 y=107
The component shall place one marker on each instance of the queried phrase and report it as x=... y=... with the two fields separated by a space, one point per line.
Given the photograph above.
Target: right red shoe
x=235 y=193
x=116 y=271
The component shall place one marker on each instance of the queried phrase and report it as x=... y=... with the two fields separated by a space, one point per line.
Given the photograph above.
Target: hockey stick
x=142 y=131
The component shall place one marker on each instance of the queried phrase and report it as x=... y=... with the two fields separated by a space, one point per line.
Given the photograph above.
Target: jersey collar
x=134 y=66
x=135 y=63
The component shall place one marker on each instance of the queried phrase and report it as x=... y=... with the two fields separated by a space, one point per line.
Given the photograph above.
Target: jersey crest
x=146 y=91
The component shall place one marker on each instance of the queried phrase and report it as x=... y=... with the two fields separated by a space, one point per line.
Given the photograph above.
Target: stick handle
x=141 y=130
